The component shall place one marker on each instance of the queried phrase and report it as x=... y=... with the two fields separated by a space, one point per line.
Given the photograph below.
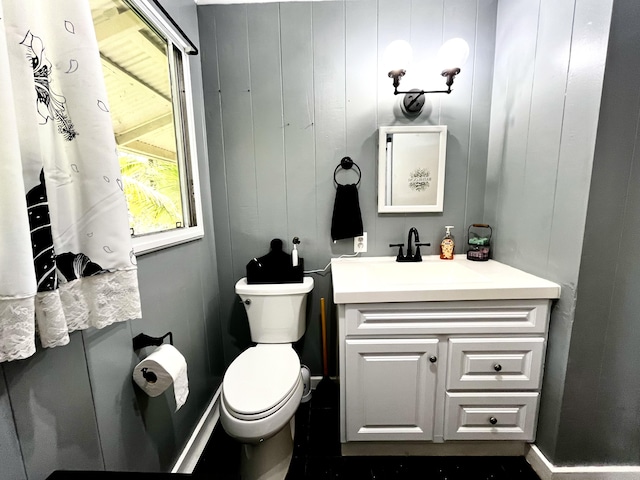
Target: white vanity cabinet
x=442 y=370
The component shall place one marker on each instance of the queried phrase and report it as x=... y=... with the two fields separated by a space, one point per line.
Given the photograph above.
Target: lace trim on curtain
x=17 y=329
x=51 y=325
x=100 y=300
x=96 y=301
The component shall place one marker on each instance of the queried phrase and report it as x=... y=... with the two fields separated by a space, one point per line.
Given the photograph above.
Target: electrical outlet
x=360 y=243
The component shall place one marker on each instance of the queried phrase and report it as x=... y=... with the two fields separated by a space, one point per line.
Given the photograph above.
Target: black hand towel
x=347 y=219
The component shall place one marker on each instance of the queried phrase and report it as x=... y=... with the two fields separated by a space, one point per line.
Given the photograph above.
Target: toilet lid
x=260 y=378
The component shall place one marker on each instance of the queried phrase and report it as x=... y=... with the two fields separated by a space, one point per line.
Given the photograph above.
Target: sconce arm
x=422 y=92
x=450 y=74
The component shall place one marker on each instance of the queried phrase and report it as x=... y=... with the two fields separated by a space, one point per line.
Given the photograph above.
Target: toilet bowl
x=263 y=386
x=261 y=391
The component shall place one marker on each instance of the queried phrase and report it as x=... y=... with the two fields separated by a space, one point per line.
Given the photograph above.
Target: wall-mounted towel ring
x=346 y=221
x=142 y=340
x=346 y=164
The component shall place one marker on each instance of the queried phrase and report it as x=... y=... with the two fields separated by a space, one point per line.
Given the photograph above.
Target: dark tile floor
x=317 y=456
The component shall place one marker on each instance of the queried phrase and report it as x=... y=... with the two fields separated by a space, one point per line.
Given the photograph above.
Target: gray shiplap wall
x=538 y=174
x=550 y=59
x=601 y=404
x=75 y=407
x=544 y=101
x=290 y=89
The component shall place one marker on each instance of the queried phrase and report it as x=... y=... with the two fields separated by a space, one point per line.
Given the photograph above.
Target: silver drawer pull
x=497 y=367
x=433 y=359
x=493 y=420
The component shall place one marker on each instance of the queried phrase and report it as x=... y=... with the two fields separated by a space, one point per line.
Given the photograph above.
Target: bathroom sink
x=382 y=279
x=429 y=271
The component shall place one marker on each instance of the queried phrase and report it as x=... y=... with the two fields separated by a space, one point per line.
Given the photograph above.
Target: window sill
x=159 y=241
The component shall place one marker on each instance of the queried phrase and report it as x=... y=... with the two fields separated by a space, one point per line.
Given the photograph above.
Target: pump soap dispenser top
x=294 y=252
x=447 y=245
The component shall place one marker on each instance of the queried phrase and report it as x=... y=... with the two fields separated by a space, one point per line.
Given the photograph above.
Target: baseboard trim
x=426 y=449
x=547 y=471
x=192 y=451
x=316 y=379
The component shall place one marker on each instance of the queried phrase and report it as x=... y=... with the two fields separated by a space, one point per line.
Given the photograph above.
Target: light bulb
x=453 y=53
x=397 y=56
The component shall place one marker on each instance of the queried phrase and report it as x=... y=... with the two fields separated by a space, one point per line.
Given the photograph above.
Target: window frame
x=184 y=124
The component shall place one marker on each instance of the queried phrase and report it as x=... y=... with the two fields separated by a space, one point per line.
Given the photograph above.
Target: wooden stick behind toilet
x=323 y=319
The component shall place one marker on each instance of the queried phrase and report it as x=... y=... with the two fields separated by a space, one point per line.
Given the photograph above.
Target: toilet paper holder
x=142 y=340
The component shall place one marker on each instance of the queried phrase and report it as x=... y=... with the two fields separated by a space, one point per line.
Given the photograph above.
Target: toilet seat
x=257 y=431
x=260 y=381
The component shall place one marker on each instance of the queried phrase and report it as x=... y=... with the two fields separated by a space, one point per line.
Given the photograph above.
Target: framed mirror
x=411 y=163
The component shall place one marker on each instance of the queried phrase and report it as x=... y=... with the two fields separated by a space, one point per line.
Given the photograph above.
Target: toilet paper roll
x=159 y=370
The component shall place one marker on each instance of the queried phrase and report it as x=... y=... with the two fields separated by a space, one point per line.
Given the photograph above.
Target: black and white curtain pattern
x=66 y=258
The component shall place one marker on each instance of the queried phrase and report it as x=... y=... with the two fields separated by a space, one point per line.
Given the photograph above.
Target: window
x=145 y=67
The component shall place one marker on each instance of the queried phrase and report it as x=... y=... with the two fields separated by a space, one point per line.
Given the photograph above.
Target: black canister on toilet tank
x=275 y=267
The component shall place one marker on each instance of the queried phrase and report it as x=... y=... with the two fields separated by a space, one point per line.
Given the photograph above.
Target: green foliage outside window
x=152 y=188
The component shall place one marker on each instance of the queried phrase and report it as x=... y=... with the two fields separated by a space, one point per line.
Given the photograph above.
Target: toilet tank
x=276 y=311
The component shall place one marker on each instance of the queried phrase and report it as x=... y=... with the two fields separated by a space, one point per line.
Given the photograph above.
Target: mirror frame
x=383 y=169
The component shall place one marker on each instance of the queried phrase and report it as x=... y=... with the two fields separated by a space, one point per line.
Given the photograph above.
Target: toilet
x=263 y=386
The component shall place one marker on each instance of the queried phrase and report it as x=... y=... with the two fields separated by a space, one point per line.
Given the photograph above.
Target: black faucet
x=410 y=256
x=414 y=231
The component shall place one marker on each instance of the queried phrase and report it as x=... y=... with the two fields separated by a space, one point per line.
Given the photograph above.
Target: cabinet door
x=390 y=389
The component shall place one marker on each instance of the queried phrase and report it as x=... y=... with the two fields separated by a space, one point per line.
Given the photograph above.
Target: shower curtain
x=66 y=258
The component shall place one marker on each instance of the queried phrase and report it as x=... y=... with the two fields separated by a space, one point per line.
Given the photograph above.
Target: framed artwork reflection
x=411 y=166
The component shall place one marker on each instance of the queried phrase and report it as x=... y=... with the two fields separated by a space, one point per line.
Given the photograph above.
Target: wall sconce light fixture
x=398 y=54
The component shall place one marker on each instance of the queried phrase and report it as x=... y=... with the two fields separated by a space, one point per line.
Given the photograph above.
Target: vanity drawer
x=495 y=363
x=491 y=416
x=469 y=317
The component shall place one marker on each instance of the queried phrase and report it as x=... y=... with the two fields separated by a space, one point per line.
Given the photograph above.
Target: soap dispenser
x=294 y=252
x=447 y=245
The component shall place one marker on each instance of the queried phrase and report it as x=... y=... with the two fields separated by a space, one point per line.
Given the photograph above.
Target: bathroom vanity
x=439 y=356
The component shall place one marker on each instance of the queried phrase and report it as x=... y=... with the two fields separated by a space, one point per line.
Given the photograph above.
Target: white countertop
x=382 y=279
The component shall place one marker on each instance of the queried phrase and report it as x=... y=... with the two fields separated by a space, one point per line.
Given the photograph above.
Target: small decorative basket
x=479 y=241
